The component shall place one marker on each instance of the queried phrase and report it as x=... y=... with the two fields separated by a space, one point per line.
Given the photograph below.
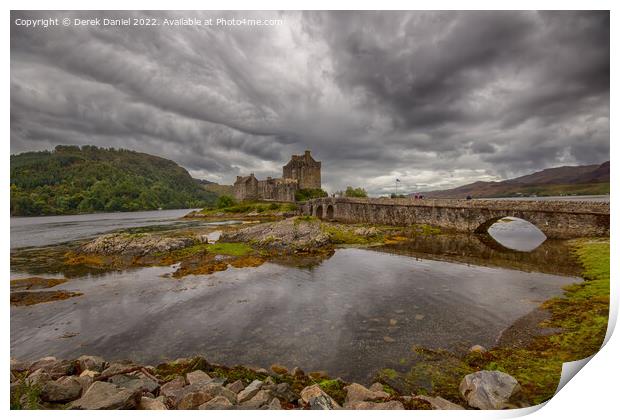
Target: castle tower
x=305 y=170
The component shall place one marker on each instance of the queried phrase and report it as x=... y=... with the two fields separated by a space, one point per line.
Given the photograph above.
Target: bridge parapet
x=557 y=219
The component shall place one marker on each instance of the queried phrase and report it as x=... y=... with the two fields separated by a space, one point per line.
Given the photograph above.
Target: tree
x=225 y=201
x=358 y=192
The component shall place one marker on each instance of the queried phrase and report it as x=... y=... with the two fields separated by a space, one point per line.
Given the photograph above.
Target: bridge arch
x=330 y=212
x=484 y=226
x=319 y=211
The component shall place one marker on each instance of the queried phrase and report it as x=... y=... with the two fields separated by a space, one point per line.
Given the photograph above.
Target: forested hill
x=90 y=179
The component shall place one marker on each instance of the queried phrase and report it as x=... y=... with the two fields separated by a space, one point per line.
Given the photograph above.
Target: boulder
x=317 y=398
x=135 y=382
x=322 y=402
x=490 y=390
x=357 y=392
x=170 y=388
x=368 y=405
x=376 y=387
x=147 y=403
x=63 y=390
x=42 y=363
x=38 y=377
x=197 y=376
x=249 y=391
x=217 y=403
x=107 y=396
x=477 y=349
x=262 y=397
x=438 y=403
x=116 y=368
x=94 y=363
x=282 y=391
x=236 y=386
x=54 y=367
x=274 y=405
x=192 y=396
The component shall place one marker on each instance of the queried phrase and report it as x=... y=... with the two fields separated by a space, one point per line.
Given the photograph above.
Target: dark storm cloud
x=436 y=99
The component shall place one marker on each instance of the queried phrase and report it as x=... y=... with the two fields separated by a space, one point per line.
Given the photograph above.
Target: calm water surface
x=354 y=313
x=47 y=230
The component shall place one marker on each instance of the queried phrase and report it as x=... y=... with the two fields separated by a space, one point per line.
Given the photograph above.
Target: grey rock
x=107 y=396
x=490 y=390
x=376 y=387
x=274 y=405
x=38 y=377
x=438 y=403
x=55 y=368
x=192 y=396
x=217 y=403
x=368 y=405
x=135 y=382
x=147 y=403
x=310 y=394
x=44 y=362
x=283 y=391
x=134 y=245
x=116 y=368
x=262 y=397
x=94 y=363
x=322 y=402
x=197 y=376
x=236 y=386
x=249 y=391
x=287 y=235
x=63 y=390
x=357 y=392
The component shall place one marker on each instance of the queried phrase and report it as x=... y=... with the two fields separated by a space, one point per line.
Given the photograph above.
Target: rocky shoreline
x=92 y=383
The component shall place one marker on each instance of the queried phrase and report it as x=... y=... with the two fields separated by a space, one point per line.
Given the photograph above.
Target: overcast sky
x=436 y=99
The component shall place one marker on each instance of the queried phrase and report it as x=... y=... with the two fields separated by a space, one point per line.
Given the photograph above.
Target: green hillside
x=90 y=179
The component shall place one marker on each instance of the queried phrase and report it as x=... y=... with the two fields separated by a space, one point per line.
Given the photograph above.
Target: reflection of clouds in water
x=517 y=234
x=333 y=317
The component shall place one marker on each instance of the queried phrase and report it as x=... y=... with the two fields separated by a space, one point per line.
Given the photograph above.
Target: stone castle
x=301 y=172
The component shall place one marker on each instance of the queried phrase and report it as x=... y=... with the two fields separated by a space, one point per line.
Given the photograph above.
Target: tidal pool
x=354 y=313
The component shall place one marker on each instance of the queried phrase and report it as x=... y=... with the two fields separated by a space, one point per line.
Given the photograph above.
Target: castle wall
x=302 y=172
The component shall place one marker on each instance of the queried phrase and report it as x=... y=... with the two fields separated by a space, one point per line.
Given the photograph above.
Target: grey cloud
x=433 y=98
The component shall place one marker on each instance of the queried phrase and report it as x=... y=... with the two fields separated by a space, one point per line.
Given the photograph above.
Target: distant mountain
x=70 y=180
x=564 y=180
x=219 y=189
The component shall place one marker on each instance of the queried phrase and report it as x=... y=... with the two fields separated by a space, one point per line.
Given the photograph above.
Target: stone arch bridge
x=556 y=219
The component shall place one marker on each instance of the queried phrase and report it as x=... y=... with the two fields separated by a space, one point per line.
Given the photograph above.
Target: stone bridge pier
x=556 y=219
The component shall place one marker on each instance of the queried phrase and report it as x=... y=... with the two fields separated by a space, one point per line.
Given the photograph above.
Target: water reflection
x=516 y=234
x=553 y=256
x=354 y=313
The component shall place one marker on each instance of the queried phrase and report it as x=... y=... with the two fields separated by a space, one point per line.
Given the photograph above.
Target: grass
x=26 y=396
x=580 y=315
x=236 y=249
x=335 y=389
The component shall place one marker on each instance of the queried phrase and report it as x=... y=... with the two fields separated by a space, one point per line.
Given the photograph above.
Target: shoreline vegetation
x=527 y=358
x=89 y=179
